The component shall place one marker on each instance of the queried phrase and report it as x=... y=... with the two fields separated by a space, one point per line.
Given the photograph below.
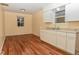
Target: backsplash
x=74 y=25
x=68 y=25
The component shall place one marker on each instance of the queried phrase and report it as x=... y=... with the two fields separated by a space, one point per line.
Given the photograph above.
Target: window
x=20 y=21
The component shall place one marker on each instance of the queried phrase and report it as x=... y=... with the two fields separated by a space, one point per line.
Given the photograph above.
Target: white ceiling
x=29 y=7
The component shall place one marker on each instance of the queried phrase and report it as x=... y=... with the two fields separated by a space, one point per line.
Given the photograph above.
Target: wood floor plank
x=29 y=45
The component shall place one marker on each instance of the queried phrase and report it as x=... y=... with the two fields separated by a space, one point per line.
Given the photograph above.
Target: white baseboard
x=17 y=34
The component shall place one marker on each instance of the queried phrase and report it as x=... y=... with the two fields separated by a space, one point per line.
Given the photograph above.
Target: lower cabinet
x=48 y=36
x=51 y=36
x=63 y=40
x=43 y=36
x=71 y=42
x=54 y=38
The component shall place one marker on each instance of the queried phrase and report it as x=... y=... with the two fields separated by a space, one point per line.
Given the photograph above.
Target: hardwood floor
x=29 y=45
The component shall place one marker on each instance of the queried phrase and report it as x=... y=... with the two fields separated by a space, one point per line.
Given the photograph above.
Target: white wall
x=2 y=38
x=11 y=27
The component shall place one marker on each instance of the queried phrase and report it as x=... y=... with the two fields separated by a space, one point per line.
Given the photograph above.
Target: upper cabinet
x=72 y=12
x=49 y=12
x=48 y=15
x=68 y=12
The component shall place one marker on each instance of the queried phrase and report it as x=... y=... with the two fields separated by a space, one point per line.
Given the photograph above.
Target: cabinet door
x=49 y=37
x=43 y=35
x=48 y=15
x=52 y=37
x=61 y=40
x=52 y=15
x=71 y=38
x=72 y=12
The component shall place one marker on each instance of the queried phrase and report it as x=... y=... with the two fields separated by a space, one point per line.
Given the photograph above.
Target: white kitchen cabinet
x=48 y=15
x=71 y=42
x=48 y=36
x=43 y=36
x=65 y=40
x=49 y=12
x=72 y=12
x=52 y=37
x=61 y=40
x=53 y=15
